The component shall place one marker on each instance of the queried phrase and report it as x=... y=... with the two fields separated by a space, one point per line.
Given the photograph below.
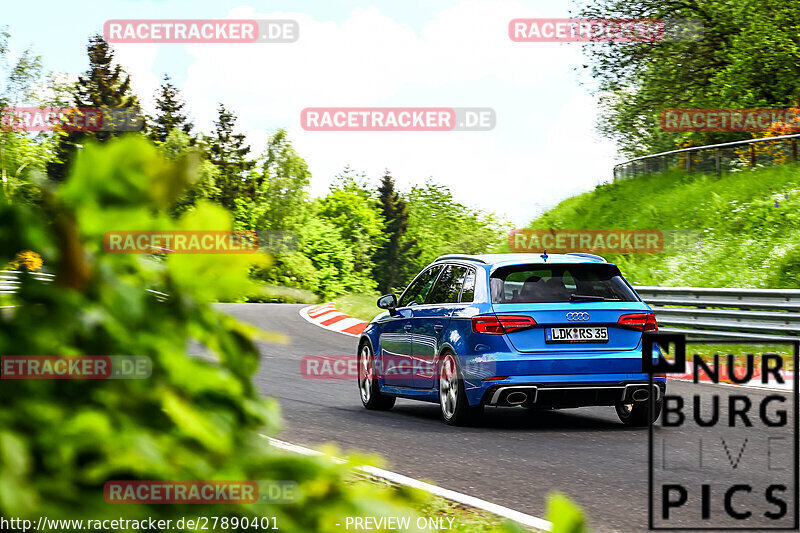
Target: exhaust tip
x=640 y=395
x=516 y=398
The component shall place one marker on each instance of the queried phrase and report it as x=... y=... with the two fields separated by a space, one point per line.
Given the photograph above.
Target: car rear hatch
x=579 y=311
x=581 y=317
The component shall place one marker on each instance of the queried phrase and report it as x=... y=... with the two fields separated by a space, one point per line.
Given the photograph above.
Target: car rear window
x=559 y=283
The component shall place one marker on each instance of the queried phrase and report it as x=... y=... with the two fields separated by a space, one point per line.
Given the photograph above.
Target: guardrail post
x=752 y=155
x=689 y=162
x=794 y=149
x=717 y=165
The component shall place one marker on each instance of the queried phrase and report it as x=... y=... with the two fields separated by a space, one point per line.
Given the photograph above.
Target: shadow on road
x=518 y=419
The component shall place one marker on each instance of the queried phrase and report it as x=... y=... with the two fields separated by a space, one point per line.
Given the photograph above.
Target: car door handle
x=438 y=327
x=407 y=327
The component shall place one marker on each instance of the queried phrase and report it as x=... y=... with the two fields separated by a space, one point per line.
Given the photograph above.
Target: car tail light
x=499 y=325
x=640 y=321
x=495 y=378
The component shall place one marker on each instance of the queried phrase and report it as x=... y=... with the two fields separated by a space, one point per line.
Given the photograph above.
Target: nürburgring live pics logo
x=725 y=458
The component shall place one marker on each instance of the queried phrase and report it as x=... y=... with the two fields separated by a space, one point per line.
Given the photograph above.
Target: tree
x=169 y=105
x=284 y=184
x=438 y=224
x=228 y=151
x=178 y=144
x=104 y=85
x=351 y=207
x=391 y=257
x=747 y=56
x=20 y=152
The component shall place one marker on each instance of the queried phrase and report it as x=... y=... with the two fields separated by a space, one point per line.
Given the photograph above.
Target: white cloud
x=543 y=148
x=138 y=60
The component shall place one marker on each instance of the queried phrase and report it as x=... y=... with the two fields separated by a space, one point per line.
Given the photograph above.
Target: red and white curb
x=399 y=479
x=326 y=316
x=755 y=381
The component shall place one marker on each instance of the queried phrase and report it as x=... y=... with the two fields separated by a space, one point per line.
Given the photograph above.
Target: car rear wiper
x=585 y=298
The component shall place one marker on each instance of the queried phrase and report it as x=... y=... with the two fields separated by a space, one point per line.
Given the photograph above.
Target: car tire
x=456 y=410
x=637 y=414
x=368 y=389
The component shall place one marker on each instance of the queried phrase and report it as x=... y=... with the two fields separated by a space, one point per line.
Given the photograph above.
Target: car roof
x=496 y=260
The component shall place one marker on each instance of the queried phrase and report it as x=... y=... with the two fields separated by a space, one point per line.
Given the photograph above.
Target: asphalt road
x=516 y=457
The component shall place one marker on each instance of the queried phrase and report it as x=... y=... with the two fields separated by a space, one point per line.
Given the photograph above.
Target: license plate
x=576 y=334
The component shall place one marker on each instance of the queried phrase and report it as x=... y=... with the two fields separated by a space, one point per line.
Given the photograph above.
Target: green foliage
x=105 y=84
x=194 y=418
x=228 y=150
x=170 y=112
x=748 y=56
x=438 y=225
x=22 y=155
x=565 y=515
x=394 y=256
x=284 y=182
x=291 y=269
x=178 y=144
x=351 y=207
x=333 y=259
x=749 y=222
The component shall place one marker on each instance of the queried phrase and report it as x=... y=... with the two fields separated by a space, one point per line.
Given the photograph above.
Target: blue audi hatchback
x=506 y=330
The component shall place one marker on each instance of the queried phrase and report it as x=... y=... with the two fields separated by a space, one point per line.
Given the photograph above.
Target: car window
x=468 y=292
x=569 y=281
x=417 y=292
x=558 y=283
x=448 y=286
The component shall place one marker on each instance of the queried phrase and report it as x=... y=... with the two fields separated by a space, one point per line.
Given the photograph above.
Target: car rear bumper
x=534 y=392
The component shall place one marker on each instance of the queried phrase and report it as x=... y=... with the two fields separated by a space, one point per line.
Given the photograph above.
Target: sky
x=414 y=53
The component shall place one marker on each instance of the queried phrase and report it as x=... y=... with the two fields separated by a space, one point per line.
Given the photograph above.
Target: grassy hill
x=750 y=221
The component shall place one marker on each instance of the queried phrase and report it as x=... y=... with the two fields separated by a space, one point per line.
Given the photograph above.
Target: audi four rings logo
x=577 y=316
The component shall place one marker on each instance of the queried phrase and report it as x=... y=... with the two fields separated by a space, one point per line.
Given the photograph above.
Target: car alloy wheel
x=365 y=373
x=448 y=387
x=456 y=410
x=368 y=388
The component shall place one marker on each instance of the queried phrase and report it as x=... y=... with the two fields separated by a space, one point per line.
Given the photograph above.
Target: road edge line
x=400 y=479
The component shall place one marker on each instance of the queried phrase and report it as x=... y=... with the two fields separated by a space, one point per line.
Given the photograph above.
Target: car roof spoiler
x=589 y=256
x=460 y=256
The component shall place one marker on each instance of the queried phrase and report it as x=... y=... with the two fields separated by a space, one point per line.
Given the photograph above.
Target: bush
x=193 y=419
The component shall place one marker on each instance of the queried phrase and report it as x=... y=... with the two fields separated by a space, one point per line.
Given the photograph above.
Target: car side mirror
x=388 y=301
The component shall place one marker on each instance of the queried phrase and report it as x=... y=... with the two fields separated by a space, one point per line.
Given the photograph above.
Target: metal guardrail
x=9 y=282
x=736 y=155
x=738 y=315
x=699 y=312
x=160 y=296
